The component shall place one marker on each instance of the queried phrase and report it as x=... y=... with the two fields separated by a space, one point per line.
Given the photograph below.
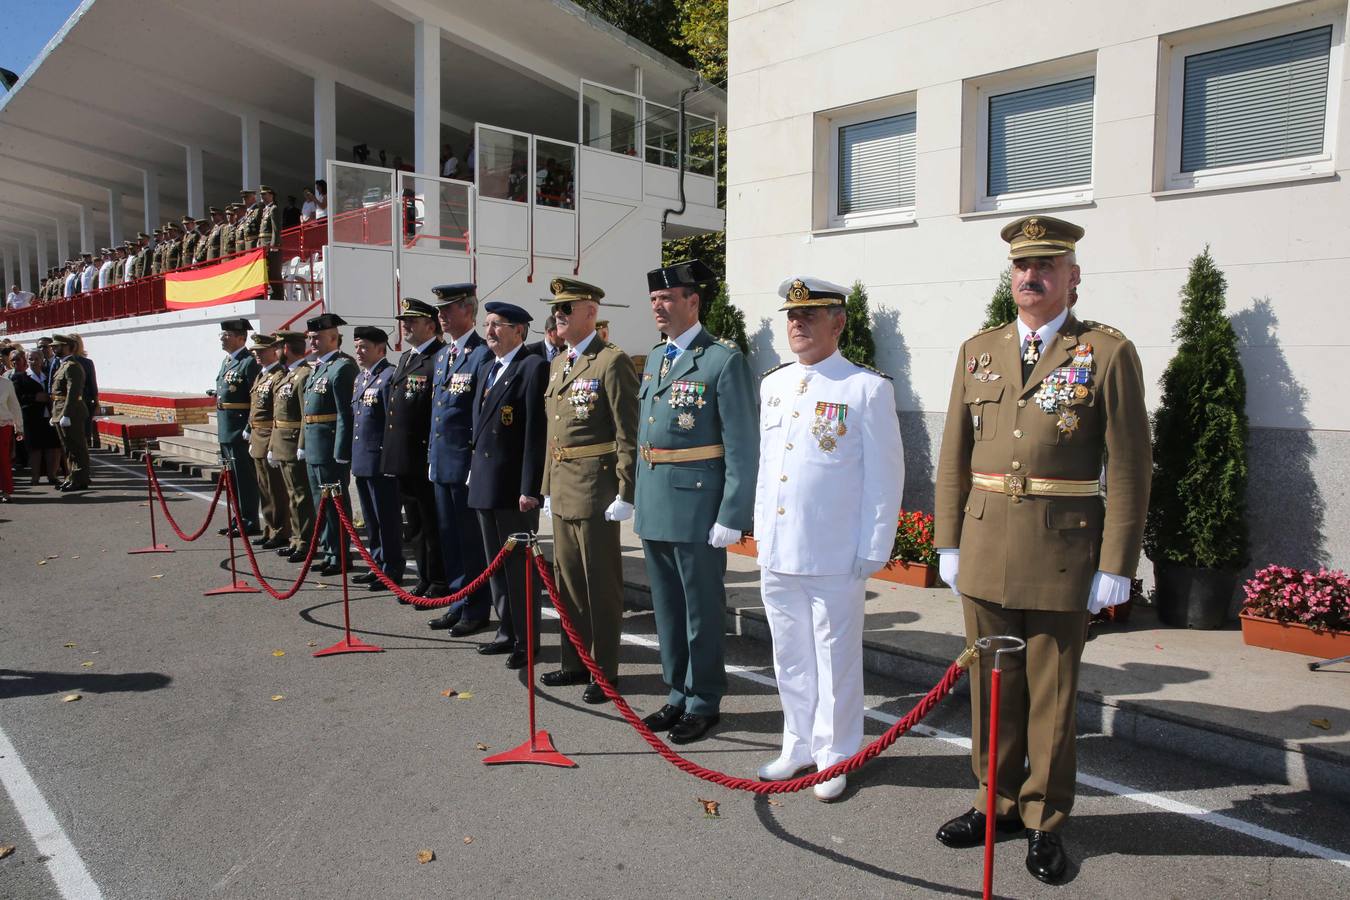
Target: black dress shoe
x=260 y=541
x=595 y=694
x=516 y=660
x=663 y=718
x=275 y=544
x=496 y=648
x=562 y=678
x=285 y=550
x=1045 y=856
x=377 y=585
x=692 y=727
x=298 y=555
x=448 y=620
x=420 y=589
x=224 y=531
x=329 y=569
x=365 y=577
x=467 y=627
x=967 y=829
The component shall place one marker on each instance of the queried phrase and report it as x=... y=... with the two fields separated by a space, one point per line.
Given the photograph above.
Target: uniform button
x=782 y=511
x=1021 y=403
x=795 y=414
x=700 y=484
x=782 y=478
x=1082 y=524
x=555 y=417
x=651 y=420
x=1016 y=465
x=788 y=446
x=1017 y=432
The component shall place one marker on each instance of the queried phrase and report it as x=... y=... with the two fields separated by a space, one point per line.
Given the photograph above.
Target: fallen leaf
x=88 y=664
x=710 y=808
x=481 y=746
x=54 y=556
x=74 y=557
x=156 y=576
x=465 y=695
x=1157 y=646
x=449 y=692
x=773 y=802
x=468 y=840
x=425 y=856
x=278 y=696
x=68 y=644
x=313 y=643
x=278 y=652
x=70 y=698
x=42 y=562
x=1324 y=724
x=6 y=850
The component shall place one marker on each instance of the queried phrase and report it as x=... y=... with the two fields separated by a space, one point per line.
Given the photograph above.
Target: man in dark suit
x=455 y=386
x=406 y=432
x=551 y=345
x=509 y=430
x=378 y=492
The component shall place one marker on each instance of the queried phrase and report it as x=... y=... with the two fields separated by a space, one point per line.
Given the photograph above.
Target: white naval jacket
x=822 y=500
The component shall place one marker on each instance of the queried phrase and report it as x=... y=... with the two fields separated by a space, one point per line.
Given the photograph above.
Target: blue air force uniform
x=327 y=435
x=378 y=492
x=234 y=381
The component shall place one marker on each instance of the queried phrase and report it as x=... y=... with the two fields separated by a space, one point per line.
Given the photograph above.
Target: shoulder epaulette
x=991 y=328
x=776 y=368
x=874 y=371
x=730 y=345
x=660 y=343
x=1098 y=326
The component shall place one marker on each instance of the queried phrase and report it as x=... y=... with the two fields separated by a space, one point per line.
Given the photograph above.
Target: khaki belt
x=653 y=456
x=584 y=451
x=1018 y=486
x=285 y=423
x=234 y=406
x=320 y=418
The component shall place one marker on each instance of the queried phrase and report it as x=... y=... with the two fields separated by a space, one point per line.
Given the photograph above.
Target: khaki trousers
x=76 y=446
x=1037 y=759
x=588 y=566
x=276 y=519
x=295 y=480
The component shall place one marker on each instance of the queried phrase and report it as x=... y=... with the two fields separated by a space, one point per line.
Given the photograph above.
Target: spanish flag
x=243 y=277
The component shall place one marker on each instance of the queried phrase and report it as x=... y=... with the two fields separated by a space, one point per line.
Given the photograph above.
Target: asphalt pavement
x=211 y=755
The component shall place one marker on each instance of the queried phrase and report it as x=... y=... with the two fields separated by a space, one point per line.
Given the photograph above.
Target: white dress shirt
x=1046 y=332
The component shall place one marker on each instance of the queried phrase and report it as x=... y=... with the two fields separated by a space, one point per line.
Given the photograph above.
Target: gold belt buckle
x=646 y=453
x=1015 y=486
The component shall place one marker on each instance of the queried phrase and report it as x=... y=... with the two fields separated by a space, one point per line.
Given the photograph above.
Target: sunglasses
x=564 y=308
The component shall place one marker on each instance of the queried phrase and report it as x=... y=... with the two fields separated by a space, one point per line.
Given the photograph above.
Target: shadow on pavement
x=26 y=683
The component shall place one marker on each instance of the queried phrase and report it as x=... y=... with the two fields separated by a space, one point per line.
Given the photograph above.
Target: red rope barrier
x=422 y=602
x=309 y=555
x=163 y=504
x=843 y=767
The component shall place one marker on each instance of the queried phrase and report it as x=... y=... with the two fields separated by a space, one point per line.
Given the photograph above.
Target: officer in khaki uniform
x=276 y=521
x=592 y=407
x=283 y=445
x=227 y=229
x=269 y=238
x=187 y=244
x=218 y=227
x=246 y=231
x=1039 y=408
x=70 y=413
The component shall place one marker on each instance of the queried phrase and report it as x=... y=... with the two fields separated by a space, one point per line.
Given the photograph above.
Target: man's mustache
x=1034 y=287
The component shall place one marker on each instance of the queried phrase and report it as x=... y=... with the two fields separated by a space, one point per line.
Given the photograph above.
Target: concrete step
x=200 y=432
x=191 y=447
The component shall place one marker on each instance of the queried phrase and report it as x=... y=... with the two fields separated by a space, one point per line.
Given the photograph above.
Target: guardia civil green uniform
x=698 y=453
x=327 y=435
x=234 y=380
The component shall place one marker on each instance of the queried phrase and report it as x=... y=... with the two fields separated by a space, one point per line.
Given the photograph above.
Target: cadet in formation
x=326 y=437
x=698 y=453
x=234 y=380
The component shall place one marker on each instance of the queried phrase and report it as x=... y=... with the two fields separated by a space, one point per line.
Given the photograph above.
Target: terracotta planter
x=746 y=546
x=1293 y=637
x=913 y=574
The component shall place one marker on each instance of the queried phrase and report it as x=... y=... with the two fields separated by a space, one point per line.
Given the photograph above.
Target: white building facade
x=889 y=142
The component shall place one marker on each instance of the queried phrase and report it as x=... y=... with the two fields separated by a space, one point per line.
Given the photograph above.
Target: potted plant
x=1298 y=611
x=856 y=343
x=913 y=560
x=1196 y=530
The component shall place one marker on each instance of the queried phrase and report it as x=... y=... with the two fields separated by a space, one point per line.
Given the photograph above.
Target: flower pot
x=913 y=574
x=746 y=546
x=1293 y=637
x=1190 y=597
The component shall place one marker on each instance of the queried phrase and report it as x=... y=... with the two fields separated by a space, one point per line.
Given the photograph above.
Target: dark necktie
x=672 y=351
x=1031 y=354
x=492 y=376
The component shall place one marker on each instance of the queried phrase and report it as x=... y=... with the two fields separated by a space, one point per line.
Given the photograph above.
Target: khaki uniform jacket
x=187 y=249
x=67 y=391
x=260 y=410
x=169 y=261
x=213 y=240
x=226 y=239
x=246 y=232
x=287 y=396
x=201 y=247
x=269 y=227
x=1038 y=552
x=596 y=403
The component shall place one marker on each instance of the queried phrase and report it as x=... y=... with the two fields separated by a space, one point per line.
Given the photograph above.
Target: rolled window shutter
x=876 y=165
x=1041 y=138
x=1255 y=102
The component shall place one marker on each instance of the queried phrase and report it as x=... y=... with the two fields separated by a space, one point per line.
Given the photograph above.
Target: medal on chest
x=319 y=385
x=370 y=396
x=415 y=385
x=830 y=424
x=584 y=393
x=1066 y=387
x=460 y=383
x=286 y=391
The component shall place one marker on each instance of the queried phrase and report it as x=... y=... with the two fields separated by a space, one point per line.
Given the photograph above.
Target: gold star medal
x=685 y=421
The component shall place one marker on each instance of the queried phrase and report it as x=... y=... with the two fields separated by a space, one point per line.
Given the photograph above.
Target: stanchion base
x=238 y=587
x=349 y=645
x=539 y=752
x=157 y=548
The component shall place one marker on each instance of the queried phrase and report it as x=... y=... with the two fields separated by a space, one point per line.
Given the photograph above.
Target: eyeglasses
x=563 y=308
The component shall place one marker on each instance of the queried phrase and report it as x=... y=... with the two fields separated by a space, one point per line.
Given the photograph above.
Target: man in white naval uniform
x=831 y=474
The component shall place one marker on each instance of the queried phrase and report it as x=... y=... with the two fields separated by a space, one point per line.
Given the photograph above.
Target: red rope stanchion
x=164 y=505
x=232 y=521
x=539 y=749
x=155 y=545
x=843 y=767
x=1016 y=645
x=309 y=554
x=349 y=643
x=421 y=602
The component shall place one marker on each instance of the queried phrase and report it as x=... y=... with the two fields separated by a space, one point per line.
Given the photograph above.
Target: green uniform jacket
x=328 y=391
x=213 y=241
x=226 y=239
x=269 y=227
x=595 y=403
x=169 y=261
x=708 y=397
x=246 y=232
x=286 y=399
x=67 y=391
x=260 y=413
x=1042 y=552
x=233 y=381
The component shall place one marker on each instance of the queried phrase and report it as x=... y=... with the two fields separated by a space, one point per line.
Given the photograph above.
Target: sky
x=25 y=28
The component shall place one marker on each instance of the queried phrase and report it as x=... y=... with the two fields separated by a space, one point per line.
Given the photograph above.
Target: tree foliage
x=725 y=320
x=856 y=342
x=1002 y=309
x=1197 y=515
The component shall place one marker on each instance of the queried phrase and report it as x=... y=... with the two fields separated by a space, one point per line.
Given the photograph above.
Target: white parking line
x=63 y=861
x=1145 y=798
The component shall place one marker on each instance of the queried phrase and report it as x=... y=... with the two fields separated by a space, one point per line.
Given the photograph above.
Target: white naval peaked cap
x=808 y=290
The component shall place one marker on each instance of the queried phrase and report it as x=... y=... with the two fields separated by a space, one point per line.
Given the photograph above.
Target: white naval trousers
x=817 y=627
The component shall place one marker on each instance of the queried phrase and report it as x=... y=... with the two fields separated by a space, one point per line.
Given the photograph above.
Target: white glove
x=272 y=460
x=300 y=453
x=341 y=462
x=65 y=422
x=1107 y=590
x=949 y=561
x=619 y=510
x=247 y=432
x=546 y=510
x=721 y=536
x=863 y=567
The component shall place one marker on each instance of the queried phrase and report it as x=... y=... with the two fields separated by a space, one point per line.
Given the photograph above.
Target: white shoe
x=832 y=790
x=782 y=769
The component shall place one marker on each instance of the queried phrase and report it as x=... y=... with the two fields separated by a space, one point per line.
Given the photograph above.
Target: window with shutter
x=875 y=171
x=1040 y=139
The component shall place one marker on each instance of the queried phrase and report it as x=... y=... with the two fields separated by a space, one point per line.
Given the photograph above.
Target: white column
x=196 y=202
x=86 y=229
x=427 y=98
x=150 y=185
x=325 y=124
x=40 y=241
x=62 y=241
x=114 y=218
x=9 y=268
x=250 y=150
x=25 y=267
